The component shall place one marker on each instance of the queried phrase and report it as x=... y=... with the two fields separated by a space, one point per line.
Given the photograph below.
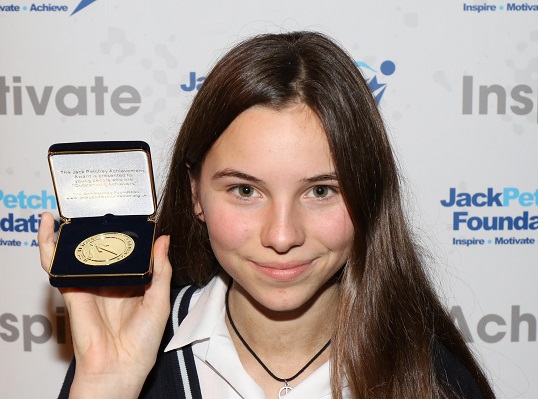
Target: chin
x=285 y=301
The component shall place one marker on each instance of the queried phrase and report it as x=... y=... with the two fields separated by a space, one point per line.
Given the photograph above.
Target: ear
x=196 y=203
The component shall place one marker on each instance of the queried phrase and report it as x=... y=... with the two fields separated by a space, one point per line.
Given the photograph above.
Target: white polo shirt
x=220 y=371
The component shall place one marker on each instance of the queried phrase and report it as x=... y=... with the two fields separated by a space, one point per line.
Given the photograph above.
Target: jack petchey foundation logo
x=505 y=216
x=375 y=77
x=44 y=8
x=20 y=215
x=488 y=8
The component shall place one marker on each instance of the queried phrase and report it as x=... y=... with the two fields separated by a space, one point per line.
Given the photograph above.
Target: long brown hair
x=390 y=321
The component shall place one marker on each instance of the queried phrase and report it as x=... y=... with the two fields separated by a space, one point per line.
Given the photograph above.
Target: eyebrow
x=228 y=172
x=237 y=174
x=322 y=177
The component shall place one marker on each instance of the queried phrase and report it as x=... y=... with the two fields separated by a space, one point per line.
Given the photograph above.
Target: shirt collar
x=205 y=322
x=207 y=308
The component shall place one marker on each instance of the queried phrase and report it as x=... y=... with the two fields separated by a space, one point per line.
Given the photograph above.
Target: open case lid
x=92 y=179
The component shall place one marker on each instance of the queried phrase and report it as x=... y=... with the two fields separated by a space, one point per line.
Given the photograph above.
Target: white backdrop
x=461 y=105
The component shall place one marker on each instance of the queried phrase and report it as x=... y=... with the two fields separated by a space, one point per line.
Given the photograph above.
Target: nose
x=283 y=227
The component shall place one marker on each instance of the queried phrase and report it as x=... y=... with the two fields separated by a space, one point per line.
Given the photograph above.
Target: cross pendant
x=284 y=390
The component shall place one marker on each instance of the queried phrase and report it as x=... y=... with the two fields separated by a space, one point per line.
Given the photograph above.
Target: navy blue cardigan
x=172 y=378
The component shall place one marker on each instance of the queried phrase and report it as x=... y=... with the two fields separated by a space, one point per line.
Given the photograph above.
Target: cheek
x=335 y=230
x=228 y=230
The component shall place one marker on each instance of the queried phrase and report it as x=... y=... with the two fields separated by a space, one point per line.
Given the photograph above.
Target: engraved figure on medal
x=104 y=249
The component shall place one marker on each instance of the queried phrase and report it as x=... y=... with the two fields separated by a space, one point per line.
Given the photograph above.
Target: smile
x=283 y=271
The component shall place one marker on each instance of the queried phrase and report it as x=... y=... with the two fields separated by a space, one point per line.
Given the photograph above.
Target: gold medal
x=104 y=249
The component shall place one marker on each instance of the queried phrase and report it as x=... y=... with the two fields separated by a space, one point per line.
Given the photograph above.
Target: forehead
x=261 y=136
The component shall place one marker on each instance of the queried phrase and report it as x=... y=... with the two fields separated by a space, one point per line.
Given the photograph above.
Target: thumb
x=159 y=288
x=45 y=238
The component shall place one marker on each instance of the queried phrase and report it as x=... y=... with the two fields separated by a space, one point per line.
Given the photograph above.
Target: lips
x=283 y=271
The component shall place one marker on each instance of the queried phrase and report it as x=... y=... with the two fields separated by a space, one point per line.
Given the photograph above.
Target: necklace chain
x=284 y=380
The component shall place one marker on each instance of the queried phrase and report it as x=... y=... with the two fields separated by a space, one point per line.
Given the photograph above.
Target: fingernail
x=167 y=246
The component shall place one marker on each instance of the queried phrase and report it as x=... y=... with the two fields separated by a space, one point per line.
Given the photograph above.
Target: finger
x=162 y=264
x=45 y=238
x=159 y=289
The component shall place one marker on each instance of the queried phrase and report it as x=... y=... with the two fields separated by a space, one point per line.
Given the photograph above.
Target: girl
x=296 y=272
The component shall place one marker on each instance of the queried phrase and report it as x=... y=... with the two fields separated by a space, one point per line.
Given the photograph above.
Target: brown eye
x=320 y=191
x=245 y=191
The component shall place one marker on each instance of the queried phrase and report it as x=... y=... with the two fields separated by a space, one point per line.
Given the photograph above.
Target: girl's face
x=276 y=219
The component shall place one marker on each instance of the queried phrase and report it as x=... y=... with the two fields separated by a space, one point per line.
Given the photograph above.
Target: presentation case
x=107 y=204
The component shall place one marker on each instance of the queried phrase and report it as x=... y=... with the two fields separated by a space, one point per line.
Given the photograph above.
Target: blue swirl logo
x=387 y=68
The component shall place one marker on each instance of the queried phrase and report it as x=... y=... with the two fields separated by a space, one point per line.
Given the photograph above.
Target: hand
x=116 y=330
